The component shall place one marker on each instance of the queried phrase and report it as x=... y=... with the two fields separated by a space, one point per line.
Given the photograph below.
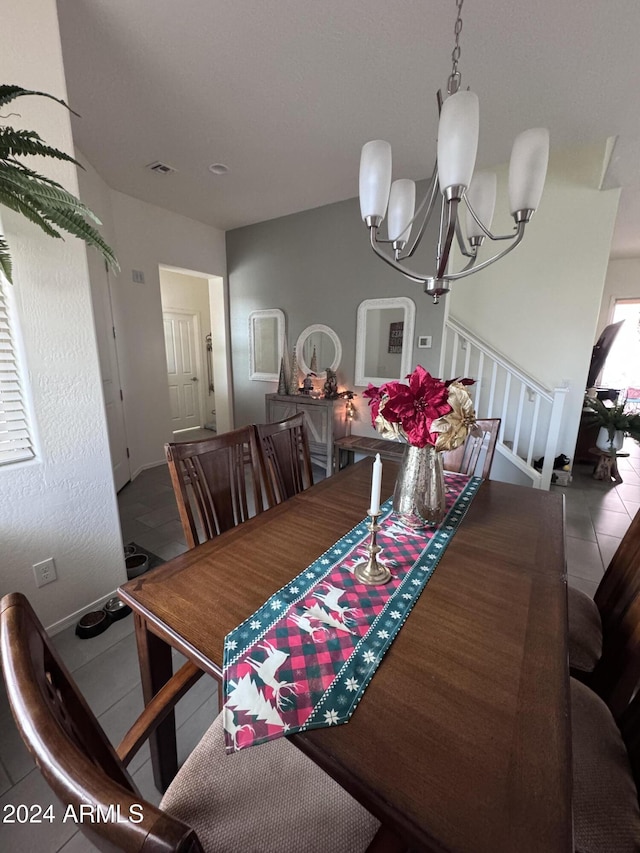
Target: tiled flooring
x=597 y=517
x=106 y=667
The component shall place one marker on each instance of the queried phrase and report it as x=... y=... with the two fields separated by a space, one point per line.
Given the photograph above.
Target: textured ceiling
x=285 y=93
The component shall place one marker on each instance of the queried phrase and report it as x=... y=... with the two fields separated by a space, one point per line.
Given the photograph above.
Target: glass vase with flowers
x=430 y=416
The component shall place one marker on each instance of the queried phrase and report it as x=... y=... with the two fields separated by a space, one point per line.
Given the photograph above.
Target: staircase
x=531 y=414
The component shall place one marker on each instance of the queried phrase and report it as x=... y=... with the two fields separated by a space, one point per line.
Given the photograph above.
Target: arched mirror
x=266 y=338
x=384 y=339
x=318 y=347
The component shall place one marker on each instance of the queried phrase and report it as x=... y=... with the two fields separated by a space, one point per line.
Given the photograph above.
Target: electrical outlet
x=424 y=341
x=45 y=572
x=137 y=276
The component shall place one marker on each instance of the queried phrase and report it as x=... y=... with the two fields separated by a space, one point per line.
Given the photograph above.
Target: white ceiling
x=285 y=93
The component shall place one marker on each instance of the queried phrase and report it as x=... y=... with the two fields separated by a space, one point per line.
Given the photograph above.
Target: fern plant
x=613 y=418
x=40 y=199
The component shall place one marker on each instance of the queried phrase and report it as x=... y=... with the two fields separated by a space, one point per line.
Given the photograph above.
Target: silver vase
x=419 y=495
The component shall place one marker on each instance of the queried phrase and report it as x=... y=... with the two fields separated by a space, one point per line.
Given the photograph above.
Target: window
x=16 y=443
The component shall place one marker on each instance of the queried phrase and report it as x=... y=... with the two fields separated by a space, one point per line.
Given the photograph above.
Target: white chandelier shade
x=402 y=203
x=481 y=196
x=375 y=179
x=458 y=140
x=452 y=183
x=528 y=169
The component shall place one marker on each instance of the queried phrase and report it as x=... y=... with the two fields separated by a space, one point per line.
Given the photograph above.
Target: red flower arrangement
x=427 y=411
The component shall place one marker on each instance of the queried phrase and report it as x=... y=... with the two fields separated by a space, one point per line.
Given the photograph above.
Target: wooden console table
x=325 y=421
x=351 y=444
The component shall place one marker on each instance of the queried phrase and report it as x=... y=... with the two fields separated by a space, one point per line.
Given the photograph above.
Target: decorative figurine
x=282 y=379
x=293 y=379
x=330 y=387
x=307 y=385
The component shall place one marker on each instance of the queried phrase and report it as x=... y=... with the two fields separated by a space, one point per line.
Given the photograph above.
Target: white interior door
x=108 y=356
x=180 y=337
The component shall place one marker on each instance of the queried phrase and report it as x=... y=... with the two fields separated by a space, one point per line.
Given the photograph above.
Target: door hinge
x=121 y=395
x=128 y=454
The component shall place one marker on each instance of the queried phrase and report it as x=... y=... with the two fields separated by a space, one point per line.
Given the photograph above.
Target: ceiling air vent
x=161 y=168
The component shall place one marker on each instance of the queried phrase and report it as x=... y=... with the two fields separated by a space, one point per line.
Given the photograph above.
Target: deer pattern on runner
x=330 y=600
x=229 y=721
x=304 y=623
x=266 y=672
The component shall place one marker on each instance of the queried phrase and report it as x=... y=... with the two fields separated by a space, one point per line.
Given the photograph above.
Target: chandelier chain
x=454 y=79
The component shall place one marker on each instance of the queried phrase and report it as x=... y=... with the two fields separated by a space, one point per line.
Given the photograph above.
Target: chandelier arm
x=444 y=246
x=414 y=276
x=517 y=238
x=480 y=224
x=461 y=244
x=429 y=200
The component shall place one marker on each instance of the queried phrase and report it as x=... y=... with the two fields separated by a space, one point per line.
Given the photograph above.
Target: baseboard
x=70 y=620
x=146 y=467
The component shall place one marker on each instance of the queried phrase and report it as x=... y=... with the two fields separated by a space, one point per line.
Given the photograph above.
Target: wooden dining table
x=461 y=742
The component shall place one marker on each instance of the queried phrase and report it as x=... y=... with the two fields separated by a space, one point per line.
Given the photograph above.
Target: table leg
x=156 y=668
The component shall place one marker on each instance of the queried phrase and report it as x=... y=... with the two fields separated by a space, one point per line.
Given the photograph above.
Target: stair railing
x=531 y=414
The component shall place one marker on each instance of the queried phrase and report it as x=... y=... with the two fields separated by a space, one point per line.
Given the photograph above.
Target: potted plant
x=614 y=424
x=40 y=199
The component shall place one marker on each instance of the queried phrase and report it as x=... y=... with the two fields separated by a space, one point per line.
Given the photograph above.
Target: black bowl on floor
x=92 y=624
x=136 y=565
x=116 y=609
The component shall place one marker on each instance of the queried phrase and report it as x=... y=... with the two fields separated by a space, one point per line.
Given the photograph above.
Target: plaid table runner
x=304 y=659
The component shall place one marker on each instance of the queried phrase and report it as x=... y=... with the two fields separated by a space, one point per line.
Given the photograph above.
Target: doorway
x=184 y=370
x=198 y=368
x=622 y=367
x=101 y=297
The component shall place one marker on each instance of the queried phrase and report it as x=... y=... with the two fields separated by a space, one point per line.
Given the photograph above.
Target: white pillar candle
x=376 y=483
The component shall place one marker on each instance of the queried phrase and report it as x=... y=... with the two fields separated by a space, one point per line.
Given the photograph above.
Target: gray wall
x=317 y=266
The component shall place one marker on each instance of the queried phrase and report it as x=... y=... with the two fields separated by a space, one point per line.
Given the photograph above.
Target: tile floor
x=597 y=516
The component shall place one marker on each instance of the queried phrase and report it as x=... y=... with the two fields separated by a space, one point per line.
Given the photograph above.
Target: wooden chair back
x=69 y=745
x=617 y=674
x=629 y=725
x=621 y=581
x=285 y=449
x=464 y=459
x=210 y=480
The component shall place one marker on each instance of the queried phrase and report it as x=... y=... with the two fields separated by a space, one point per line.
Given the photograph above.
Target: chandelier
x=453 y=176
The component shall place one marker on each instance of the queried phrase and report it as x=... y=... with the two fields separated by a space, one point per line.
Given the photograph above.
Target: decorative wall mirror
x=266 y=338
x=384 y=339
x=318 y=347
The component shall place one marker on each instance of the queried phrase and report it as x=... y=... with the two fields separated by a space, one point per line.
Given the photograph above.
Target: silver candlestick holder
x=372 y=572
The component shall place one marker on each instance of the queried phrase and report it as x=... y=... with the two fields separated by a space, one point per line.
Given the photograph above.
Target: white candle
x=376 y=482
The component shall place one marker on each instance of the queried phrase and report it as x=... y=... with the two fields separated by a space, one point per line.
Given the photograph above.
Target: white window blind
x=15 y=435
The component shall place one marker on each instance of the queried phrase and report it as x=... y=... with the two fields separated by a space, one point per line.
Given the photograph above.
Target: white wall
x=62 y=504
x=540 y=304
x=192 y=294
x=145 y=238
x=622 y=282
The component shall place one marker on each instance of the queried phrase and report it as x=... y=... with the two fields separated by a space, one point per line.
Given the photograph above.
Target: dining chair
x=464 y=460
x=218 y=482
x=602 y=630
x=270 y=798
x=285 y=448
x=606 y=774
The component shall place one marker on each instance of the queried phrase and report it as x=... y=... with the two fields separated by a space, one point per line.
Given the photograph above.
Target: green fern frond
x=40 y=199
x=21 y=143
x=75 y=224
x=34 y=189
x=5 y=260
x=9 y=93
x=28 y=210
